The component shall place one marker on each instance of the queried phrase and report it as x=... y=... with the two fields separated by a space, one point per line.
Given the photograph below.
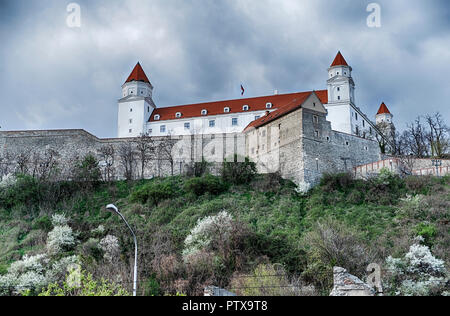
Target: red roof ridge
x=383 y=109
x=339 y=60
x=138 y=74
x=235 y=105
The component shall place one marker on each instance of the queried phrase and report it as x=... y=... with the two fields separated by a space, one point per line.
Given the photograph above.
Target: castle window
x=187 y=125
x=226 y=110
x=328 y=138
x=162 y=128
x=253 y=151
x=131 y=110
x=315 y=119
x=338 y=89
x=131 y=121
x=339 y=97
x=269 y=105
x=337 y=73
x=257 y=117
x=157 y=117
x=316 y=134
x=347 y=143
x=314 y=104
x=204 y=112
x=148 y=109
x=370 y=130
x=178 y=115
x=212 y=123
x=356 y=116
x=234 y=121
x=366 y=148
x=245 y=108
x=150 y=131
x=263 y=133
x=130 y=131
x=357 y=130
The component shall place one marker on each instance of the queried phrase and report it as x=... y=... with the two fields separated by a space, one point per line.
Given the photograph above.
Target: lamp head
x=112 y=208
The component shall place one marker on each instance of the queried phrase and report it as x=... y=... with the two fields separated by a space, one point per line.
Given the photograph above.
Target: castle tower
x=136 y=105
x=384 y=122
x=341 y=96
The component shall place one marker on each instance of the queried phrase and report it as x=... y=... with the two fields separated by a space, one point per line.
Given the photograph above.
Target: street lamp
x=113 y=208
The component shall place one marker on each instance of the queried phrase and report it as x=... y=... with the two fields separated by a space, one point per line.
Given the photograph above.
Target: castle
x=300 y=135
x=138 y=114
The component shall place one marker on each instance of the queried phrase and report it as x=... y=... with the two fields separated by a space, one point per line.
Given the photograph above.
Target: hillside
x=265 y=233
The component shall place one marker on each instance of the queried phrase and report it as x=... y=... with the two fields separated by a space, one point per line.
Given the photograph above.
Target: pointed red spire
x=383 y=109
x=339 y=60
x=138 y=74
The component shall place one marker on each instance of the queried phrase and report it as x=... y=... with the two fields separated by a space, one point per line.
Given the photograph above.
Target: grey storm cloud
x=53 y=76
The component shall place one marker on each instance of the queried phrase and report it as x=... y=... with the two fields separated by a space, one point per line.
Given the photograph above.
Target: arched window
x=226 y=110
x=245 y=108
x=157 y=117
x=178 y=115
x=204 y=112
x=269 y=105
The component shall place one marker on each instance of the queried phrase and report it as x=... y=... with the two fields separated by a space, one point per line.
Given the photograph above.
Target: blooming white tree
x=60 y=239
x=419 y=273
x=110 y=246
x=201 y=236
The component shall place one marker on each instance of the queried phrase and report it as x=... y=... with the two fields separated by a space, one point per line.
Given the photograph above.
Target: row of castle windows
x=204 y=112
x=187 y=125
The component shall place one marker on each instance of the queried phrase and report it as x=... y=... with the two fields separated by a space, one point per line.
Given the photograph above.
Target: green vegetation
x=342 y=222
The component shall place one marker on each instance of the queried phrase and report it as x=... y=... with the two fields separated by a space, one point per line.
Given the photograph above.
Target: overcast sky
x=53 y=76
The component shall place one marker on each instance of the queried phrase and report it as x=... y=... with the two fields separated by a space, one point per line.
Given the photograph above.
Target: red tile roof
x=236 y=106
x=383 y=109
x=138 y=74
x=293 y=105
x=339 y=60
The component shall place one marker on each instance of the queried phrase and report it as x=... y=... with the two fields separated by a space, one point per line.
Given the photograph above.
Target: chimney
x=275 y=92
x=267 y=113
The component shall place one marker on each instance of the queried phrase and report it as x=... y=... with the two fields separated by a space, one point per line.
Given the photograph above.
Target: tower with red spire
x=384 y=122
x=136 y=104
x=341 y=96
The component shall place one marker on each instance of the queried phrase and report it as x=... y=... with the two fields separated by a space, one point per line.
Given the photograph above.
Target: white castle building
x=138 y=114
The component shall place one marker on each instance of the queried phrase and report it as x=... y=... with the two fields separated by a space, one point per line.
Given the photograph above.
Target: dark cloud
x=195 y=50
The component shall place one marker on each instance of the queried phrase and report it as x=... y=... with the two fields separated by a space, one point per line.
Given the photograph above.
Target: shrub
x=87 y=286
x=330 y=244
x=238 y=172
x=268 y=280
x=154 y=192
x=427 y=231
x=336 y=182
x=207 y=184
x=26 y=190
x=43 y=223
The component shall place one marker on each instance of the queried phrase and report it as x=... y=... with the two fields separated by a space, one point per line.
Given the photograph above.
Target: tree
x=165 y=152
x=87 y=170
x=107 y=156
x=22 y=159
x=238 y=172
x=145 y=148
x=127 y=157
x=437 y=135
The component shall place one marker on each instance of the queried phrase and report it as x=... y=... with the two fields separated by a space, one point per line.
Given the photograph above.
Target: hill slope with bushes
x=258 y=233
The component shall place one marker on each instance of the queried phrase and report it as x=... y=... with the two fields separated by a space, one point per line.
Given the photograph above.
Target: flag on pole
x=242 y=90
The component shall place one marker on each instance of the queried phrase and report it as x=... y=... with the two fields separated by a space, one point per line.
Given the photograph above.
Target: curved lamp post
x=113 y=208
